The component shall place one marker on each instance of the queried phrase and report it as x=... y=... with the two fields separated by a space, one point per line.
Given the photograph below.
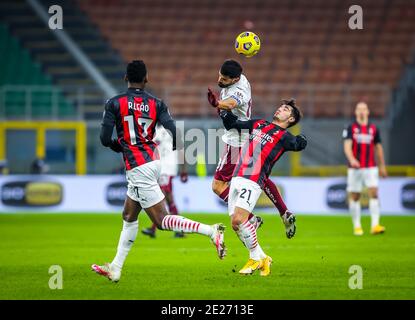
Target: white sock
x=257 y=253
x=127 y=238
x=374 y=208
x=247 y=234
x=182 y=224
x=355 y=209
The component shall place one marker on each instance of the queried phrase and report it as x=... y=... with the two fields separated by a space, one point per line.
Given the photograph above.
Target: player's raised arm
x=107 y=126
x=227 y=104
x=230 y=121
x=294 y=143
x=164 y=117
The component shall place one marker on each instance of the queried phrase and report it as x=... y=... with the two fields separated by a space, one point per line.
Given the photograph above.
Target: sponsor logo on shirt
x=259 y=136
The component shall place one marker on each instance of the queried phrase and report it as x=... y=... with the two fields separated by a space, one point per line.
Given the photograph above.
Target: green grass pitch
x=312 y=265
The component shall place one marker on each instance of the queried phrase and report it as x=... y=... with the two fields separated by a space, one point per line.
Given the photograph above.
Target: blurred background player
x=267 y=143
x=135 y=114
x=361 y=143
x=169 y=165
x=235 y=97
x=39 y=166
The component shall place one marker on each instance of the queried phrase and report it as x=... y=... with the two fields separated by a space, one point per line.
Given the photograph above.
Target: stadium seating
x=55 y=60
x=303 y=43
x=17 y=70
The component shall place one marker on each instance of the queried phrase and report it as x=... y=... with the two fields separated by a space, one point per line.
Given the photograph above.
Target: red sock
x=173 y=209
x=224 y=195
x=154 y=227
x=273 y=194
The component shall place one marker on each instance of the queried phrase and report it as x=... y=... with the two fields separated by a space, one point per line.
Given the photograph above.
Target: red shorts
x=165 y=183
x=227 y=163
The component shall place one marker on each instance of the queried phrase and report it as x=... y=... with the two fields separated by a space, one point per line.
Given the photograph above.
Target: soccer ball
x=247 y=43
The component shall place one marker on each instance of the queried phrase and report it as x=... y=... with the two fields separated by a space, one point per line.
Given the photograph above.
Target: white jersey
x=241 y=92
x=168 y=157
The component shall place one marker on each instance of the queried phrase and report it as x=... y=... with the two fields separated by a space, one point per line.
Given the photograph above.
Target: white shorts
x=143 y=186
x=243 y=193
x=356 y=178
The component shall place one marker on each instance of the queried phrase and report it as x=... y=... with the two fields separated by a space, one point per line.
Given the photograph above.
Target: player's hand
x=212 y=98
x=184 y=176
x=382 y=172
x=354 y=163
x=302 y=141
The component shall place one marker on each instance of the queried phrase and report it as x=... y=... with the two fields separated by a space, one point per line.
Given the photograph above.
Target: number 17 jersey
x=135 y=114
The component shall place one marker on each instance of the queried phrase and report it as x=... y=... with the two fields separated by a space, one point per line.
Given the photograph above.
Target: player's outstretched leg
x=112 y=270
x=274 y=195
x=288 y=218
x=181 y=224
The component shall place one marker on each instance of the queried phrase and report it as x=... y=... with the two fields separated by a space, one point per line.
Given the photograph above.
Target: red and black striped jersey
x=266 y=144
x=364 y=138
x=135 y=114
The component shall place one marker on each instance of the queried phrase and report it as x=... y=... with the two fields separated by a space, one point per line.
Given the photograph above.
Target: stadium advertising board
x=408 y=195
x=107 y=194
x=31 y=193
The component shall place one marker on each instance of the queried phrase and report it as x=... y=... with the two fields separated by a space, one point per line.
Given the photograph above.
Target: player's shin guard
x=182 y=224
x=274 y=195
x=127 y=238
x=247 y=234
x=374 y=212
x=355 y=209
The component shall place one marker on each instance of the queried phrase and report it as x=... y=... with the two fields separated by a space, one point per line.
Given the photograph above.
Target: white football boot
x=113 y=274
x=218 y=239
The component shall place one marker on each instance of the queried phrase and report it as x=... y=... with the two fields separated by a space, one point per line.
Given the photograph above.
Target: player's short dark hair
x=136 y=71
x=295 y=112
x=231 y=69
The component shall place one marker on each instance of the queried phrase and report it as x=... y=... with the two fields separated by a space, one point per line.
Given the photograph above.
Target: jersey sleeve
x=109 y=117
x=377 y=138
x=107 y=126
x=294 y=143
x=163 y=113
x=239 y=95
x=347 y=133
x=230 y=121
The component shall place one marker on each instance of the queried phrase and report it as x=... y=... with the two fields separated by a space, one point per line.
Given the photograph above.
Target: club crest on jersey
x=138 y=106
